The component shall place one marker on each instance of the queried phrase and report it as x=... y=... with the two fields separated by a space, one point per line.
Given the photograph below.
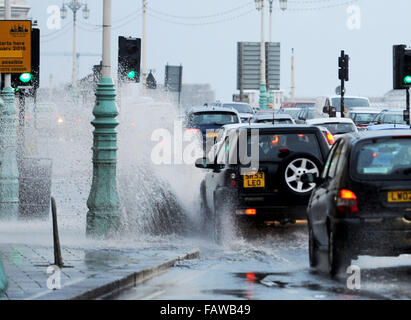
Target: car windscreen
x=362 y=118
x=349 y=103
x=292 y=112
x=212 y=118
x=241 y=108
x=384 y=159
x=339 y=128
x=392 y=118
x=274 y=147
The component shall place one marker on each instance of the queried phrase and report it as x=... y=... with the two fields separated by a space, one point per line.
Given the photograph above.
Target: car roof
x=273 y=116
x=277 y=126
x=364 y=135
x=349 y=97
x=298 y=101
x=212 y=109
x=365 y=110
x=329 y=120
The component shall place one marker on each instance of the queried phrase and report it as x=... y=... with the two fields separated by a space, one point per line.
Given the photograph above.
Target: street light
x=75 y=6
x=283 y=5
x=259 y=4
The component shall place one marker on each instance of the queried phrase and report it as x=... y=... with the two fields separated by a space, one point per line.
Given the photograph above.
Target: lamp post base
x=103 y=217
x=263 y=96
x=3 y=280
x=9 y=172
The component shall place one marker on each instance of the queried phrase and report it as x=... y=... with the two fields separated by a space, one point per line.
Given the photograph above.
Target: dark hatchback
x=362 y=202
x=207 y=121
x=272 y=191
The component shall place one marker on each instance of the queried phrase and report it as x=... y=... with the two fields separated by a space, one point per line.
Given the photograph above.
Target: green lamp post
x=9 y=172
x=3 y=280
x=103 y=217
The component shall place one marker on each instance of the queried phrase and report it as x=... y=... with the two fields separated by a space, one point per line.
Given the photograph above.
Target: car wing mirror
x=203 y=163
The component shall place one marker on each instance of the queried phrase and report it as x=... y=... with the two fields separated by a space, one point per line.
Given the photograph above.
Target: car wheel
x=295 y=168
x=337 y=258
x=312 y=248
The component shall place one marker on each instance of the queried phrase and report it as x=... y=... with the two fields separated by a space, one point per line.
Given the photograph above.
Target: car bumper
x=389 y=236
x=272 y=213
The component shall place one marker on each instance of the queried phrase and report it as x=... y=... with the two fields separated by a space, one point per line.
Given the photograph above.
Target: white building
x=19 y=9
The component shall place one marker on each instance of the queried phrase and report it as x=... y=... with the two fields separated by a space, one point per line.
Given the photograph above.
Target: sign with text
x=15 y=46
x=173 y=78
x=248 y=65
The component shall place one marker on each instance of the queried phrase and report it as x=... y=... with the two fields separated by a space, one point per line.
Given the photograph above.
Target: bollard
x=58 y=260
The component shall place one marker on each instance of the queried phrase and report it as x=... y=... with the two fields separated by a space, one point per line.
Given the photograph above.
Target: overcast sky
x=206 y=46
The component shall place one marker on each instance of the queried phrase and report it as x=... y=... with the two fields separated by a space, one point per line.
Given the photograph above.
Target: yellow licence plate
x=399 y=196
x=212 y=135
x=255 y=181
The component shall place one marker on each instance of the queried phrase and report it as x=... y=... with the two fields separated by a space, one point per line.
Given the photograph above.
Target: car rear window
x=384 y=159
x=339 y=128
x=273 y=147
x=213 y=118
x=275 y=121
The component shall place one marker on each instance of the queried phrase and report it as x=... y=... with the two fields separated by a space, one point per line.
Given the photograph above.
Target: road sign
x=248 y=65
x=173 y=78
x=15 y=46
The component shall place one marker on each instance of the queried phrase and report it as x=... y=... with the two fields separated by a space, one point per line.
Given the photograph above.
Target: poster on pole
x=15 y=46
x=248 y=65
x=173 y=78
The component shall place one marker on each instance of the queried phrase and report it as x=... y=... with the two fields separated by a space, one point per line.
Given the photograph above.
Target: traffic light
x=129 y=58
x=343 y=64
x=402 y=67
x=30 y=80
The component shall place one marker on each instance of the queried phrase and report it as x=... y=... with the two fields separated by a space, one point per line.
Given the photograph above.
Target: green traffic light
x=26 y=77
x=407 y=80
x=131 y=74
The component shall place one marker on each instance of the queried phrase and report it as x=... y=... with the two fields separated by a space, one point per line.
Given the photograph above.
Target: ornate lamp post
x=263 y=86
x=9 y=173
x=103 y=217
x=75 y=6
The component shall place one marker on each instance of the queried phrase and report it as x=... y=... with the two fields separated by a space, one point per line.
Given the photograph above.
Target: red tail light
x=233 y=180
x=330 y=138
x=251 y=212
x=193 y=130
x=347 y=201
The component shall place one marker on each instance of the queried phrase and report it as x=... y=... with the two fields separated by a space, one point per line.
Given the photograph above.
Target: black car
x=362 y=202
x=271 y=188
x=207 y=121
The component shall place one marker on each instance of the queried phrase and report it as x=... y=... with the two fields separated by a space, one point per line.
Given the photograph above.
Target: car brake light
x=251 y=212
x=330 y=138
x=193 y=130
x=347 y=201
x=233 y=180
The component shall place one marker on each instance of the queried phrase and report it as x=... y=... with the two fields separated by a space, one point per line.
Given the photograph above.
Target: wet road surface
x=272 y=264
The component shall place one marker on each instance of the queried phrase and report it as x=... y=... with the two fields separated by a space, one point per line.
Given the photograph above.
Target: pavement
x=89 y=273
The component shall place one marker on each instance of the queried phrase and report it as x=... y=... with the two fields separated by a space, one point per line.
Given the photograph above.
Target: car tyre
x=311 y=165
x=337 y=258
x=312 y=248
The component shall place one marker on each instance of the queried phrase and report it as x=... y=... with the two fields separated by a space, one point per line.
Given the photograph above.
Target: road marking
x=41 y=294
